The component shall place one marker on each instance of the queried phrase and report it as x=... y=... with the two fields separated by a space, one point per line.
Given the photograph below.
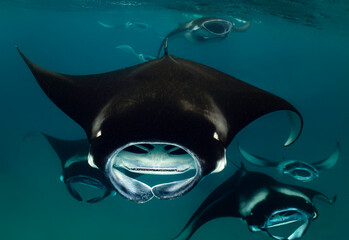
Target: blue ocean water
x=297 y=50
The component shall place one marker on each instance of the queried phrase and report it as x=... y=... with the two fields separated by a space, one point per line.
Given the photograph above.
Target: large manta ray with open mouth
x=168 y=116
x=203 y=29
x=283 y=211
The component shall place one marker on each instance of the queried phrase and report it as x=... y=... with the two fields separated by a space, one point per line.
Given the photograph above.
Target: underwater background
x=298 y=50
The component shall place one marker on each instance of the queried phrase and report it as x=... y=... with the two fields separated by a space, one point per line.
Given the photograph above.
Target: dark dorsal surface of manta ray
x=76 y=171
x=283 y=211
x=298 y=170
x=168 y=116
x=203 y=29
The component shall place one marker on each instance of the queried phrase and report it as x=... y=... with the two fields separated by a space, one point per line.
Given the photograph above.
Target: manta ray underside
x=283 y=211
x=76 y=172
x=168 y=116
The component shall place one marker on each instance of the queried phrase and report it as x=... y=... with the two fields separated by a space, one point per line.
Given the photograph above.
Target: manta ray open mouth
x=135 y=160
x=218 y=27
x=198 y=110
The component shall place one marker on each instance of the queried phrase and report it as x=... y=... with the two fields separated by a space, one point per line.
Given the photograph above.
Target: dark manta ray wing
x=81 y=97
x=226 y=101
x=222 y=202
x=66 y=149
x=315 y=194
x=256 y=160
x=168 y=101
x=234 y=104
x=201 y=217
x=328 y=162
x=253 y=197
x=75 y=167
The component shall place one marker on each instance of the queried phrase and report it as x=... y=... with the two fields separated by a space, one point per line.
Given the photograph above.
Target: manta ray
x=140 y=56
x=167 y=116
x=299 y=170
x=282 y=211
x=203 y=29
x=139 y=26
x=76 y=171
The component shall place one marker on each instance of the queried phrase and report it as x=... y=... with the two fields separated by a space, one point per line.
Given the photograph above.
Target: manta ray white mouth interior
x=155 y=159
x=218 y=27
x=169 y=168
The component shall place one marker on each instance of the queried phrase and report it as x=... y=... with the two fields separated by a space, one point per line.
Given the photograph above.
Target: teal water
x=296 y=50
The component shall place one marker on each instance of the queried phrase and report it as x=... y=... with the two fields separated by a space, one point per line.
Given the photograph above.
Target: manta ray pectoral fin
x=241 y=28
x=94 y=200
x=315 y=194
x=127 y=49
x=205 y=213
x=146 y=57
x=67 y=92
x=105 y=24
x=296 y=127
x=81 y=97
x=324 y=198
x=65 y=149
x=224 y=201
x=330 y=161
x=142 y=57
x=255 y=160
x=74 y=193
x=235 y=104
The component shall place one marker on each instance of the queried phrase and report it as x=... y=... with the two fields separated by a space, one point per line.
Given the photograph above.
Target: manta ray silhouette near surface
x=167 y=116
x=203 y=29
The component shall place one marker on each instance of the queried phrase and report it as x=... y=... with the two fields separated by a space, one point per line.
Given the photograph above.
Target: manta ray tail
x=164 y=43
